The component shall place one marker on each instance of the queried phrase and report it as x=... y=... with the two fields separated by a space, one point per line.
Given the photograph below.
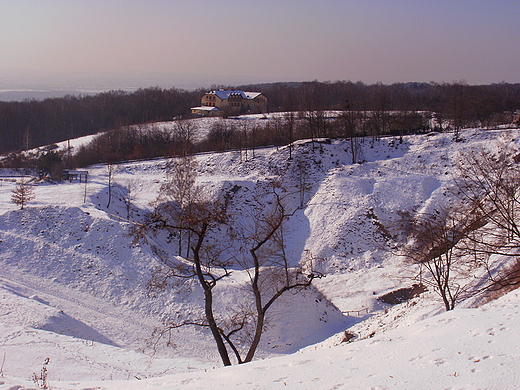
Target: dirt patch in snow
x=402 y=295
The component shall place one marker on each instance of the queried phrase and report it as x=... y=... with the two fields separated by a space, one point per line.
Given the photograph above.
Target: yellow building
x=231 y=102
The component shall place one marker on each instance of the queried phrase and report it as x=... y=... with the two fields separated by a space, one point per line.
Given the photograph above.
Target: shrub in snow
x=22 y=194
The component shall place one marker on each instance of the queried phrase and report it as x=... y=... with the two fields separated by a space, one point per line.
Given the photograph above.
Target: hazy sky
x=188 y=44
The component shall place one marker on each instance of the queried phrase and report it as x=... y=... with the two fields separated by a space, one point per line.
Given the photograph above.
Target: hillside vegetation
x=35 y=123
x=75 y=284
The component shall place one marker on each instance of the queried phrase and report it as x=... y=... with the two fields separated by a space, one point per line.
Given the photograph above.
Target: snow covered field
x=73 y=287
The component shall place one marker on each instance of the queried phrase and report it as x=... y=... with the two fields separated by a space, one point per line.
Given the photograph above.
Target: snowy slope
x=462 y=349
x=73 y=288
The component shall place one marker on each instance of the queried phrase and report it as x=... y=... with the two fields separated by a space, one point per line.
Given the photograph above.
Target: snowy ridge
x=73 y=287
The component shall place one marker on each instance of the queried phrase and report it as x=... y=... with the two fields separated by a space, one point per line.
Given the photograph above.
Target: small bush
x=41 y=380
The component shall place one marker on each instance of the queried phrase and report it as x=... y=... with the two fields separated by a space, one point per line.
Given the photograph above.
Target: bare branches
x=184 y=132
x=22 y=194
x=266 y=284
x=482 y=223
x=438 y=246
x=182 y=206
x=217 y=243
x=490 y=184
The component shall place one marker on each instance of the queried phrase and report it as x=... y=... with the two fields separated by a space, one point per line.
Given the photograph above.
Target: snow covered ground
x=73 y=286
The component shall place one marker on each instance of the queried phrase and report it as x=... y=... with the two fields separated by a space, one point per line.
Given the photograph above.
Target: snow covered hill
x=73 y=286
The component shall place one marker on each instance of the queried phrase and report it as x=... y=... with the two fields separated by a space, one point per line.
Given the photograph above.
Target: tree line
x=466 y=103
x=32 y=123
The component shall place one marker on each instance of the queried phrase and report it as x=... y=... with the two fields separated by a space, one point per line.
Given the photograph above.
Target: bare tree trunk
x=259 y=328
x=85 y=191
x=208 y=299
x=215 y=331
x=110 y=168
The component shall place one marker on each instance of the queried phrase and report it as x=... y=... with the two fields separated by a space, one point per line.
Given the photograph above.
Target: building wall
x=211 y=100
x=235 y=103
x=258 y=105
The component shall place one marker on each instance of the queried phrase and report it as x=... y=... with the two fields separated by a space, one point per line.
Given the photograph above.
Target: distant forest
x=32 y=123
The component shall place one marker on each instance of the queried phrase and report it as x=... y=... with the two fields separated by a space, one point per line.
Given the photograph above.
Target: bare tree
x=457 y=104
x=314 y=115
x=184 y=206
x=129 y=196
x=180 y=190
x=290 y=124
x=85 y=188
x=197 y=213
x=301 y=172
x=22 y=193
x=378 y=119
x=270 y=275
x=490 y=183
x=184 y=132
x=437 y=247
x=253 y=139
x=243 y=137
x=110 y=173
x=221 y=135
x=349 y=122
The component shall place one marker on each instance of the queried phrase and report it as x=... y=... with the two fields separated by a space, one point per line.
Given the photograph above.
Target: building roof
x=224 y=94
x=252 y=95
x=205 y=108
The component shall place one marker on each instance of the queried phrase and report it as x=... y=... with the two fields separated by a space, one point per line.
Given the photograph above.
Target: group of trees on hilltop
x=458 y=100
x=180 y=138
x=28 y=124
x=31 y=123
x=138 y=142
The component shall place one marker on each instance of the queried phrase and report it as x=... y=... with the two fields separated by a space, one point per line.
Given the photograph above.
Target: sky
x=106 y=44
